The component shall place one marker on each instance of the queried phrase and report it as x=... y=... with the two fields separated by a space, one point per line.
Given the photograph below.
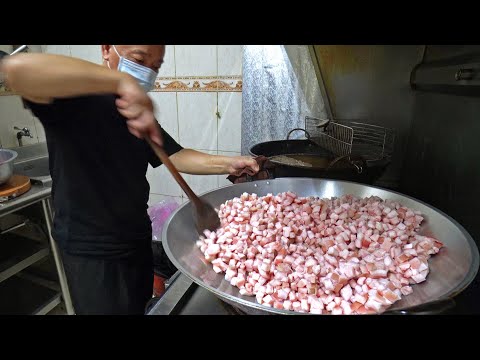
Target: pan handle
x=430 y=308
x=355 y=165
x=290 y=132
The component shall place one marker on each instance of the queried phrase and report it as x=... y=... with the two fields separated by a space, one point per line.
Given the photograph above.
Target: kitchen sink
x=36 y=169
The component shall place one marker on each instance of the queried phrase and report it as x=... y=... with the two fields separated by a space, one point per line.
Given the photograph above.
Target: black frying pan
x=316 y=162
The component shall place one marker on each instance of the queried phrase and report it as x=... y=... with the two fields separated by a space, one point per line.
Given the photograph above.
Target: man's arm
x=190 y=161
x=43 y=77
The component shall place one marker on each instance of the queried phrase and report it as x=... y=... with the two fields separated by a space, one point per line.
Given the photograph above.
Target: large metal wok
x=451 y=270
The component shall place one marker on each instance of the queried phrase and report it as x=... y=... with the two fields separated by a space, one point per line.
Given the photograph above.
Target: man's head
x=150 y=56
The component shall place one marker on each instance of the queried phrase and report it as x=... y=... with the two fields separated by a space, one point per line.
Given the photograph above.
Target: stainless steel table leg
x=58 y=261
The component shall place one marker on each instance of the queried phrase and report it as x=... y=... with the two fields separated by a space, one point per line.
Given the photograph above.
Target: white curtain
x=280 y=88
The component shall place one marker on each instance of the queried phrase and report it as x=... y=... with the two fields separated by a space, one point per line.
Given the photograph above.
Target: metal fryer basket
x=344 y=138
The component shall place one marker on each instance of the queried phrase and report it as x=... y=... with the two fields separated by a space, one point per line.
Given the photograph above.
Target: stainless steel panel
x=371 y=84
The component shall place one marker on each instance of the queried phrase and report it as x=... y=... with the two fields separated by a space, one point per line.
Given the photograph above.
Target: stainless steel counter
x=32 y=161
x=37 y=193
x=184 y=297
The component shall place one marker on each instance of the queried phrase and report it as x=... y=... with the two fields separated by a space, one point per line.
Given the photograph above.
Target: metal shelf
x=10 y=222
x=17 y=253
x=20 y=296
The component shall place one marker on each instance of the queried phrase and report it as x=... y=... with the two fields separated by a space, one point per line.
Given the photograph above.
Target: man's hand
x=136 y=106
x=194 y=162
x=243 y=165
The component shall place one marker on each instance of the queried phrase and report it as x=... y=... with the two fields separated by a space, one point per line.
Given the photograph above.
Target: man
x=95 y=119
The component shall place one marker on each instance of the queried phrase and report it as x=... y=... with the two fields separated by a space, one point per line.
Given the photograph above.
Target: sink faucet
x=23 y=132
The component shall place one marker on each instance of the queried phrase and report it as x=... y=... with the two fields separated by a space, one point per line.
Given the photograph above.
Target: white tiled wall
x=12 y=113
x=196 y=60
x=230 y=122
x=165 y=104
x=194 y=113
x=230 y=59
x=197 y=122
x=90 y=53
x=162 y=182
x=7 y=48
x=189 y=117
x=57 y=49
x=168 y=66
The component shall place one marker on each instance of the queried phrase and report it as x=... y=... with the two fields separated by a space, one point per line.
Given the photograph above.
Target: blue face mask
x=144 y=75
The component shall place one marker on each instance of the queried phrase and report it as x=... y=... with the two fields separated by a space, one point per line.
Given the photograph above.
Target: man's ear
x=106 y=52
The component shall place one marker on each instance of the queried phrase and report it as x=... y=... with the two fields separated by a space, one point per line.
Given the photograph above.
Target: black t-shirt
x=98 y=168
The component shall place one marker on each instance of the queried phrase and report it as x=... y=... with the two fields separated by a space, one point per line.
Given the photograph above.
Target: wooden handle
x=173 y=170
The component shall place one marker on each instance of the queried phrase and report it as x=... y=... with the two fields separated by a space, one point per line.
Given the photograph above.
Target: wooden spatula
x=205 y=216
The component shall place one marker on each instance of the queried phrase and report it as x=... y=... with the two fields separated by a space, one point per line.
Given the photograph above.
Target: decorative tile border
x=187 y=83
x=199 y=83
